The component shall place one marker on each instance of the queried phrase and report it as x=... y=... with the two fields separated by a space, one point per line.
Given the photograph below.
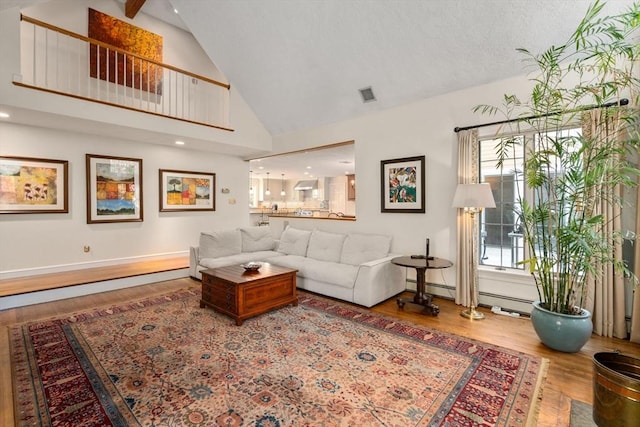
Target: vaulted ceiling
x=300 y=63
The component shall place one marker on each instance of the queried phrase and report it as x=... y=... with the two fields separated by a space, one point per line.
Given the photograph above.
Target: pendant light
x=282 y=192
x=268 y=192
x=251 y=183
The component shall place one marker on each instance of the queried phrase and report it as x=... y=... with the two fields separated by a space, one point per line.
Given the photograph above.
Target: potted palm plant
x=569 y=177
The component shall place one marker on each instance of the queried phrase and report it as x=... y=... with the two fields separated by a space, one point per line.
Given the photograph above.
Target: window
x=501 y=240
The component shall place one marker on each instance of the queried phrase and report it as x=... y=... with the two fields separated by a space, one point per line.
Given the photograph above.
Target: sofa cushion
x=257 y=239
x=289 y=261
x=325 y=246
x=343 y=275
x=361 y=248
x=216 y=244
x=294 y=241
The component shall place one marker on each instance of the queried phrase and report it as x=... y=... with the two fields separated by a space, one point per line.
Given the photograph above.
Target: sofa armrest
x=379 y=261
x=378 y=280
x=194 y=256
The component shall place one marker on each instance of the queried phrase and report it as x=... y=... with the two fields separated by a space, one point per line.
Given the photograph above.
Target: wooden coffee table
x=242 y=294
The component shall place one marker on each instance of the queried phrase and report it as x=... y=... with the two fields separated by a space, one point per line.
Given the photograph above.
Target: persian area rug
x=164 y=361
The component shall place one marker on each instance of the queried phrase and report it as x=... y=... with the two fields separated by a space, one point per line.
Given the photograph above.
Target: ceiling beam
x=132 y=7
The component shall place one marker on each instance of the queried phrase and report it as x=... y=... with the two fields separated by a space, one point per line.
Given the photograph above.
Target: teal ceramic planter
x=562 y=332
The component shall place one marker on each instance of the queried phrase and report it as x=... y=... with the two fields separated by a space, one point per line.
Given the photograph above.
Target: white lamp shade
x=473 y=196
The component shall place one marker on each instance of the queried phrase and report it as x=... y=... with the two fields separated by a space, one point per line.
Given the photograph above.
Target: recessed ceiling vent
x=367 y=94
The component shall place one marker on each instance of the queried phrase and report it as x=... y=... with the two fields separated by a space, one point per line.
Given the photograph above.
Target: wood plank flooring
x=41 y=282
x=569 y=376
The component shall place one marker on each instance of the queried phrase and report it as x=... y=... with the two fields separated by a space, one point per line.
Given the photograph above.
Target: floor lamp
x=473 y=198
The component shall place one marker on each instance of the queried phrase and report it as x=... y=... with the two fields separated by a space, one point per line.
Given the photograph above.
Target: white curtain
x=605 y=290
x=467 y=174
x=635 y=310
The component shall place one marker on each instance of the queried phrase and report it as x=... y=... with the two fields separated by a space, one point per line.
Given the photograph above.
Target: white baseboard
x=509 y=303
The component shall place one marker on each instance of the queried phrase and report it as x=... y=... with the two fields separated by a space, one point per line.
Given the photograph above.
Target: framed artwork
x=187 y=191
x=402 y=185
x=30 y=185
x=114 y=189
x=126 y=70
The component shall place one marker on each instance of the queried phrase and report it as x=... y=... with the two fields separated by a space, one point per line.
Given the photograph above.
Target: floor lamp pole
x=471 y=312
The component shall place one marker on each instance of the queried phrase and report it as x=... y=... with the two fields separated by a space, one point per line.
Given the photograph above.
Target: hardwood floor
x=41 y=282
x=569 y=376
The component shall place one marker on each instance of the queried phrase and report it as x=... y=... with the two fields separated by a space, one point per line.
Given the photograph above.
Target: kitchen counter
x=262 y=216
x=332 y=217
x=288 y=211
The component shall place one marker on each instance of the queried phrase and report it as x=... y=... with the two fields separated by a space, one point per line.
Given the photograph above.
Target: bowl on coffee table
x=251 y=266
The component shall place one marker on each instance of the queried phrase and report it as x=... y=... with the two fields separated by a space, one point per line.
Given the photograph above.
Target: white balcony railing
x=59 y=61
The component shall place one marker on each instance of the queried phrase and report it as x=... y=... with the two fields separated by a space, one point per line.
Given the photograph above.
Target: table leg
x=421 y=297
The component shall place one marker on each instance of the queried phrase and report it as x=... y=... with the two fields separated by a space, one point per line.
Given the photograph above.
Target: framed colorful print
x=30 y=185
x=187 y=191
x=114 y=189
x=402 y=185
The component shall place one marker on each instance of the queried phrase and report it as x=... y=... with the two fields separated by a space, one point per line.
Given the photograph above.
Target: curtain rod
x=623 y=101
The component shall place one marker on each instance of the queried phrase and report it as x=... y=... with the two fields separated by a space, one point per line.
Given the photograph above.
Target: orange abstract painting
x=30 y=185
x=124 y=69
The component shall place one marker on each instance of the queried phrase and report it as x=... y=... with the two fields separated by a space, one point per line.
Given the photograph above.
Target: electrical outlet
x=87 y=248
x=232 y=201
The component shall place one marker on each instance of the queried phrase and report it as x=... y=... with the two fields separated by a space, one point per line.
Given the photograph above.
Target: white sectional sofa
x=353 y=267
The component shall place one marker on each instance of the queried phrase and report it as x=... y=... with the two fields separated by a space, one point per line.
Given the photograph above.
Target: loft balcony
x=62 y=62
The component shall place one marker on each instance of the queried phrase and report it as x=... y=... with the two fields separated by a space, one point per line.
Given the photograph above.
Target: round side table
x=421 y=265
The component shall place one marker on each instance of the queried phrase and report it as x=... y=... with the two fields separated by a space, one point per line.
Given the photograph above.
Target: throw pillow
x=294 y=241
x=325 y=246
x=361 y=248
x=257 y=239
x=216 y=244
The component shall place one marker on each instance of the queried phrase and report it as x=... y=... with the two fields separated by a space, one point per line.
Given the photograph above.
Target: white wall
x=35 y=243
x=180 y=50
x=420 y=128
x=32 y=241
